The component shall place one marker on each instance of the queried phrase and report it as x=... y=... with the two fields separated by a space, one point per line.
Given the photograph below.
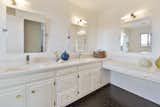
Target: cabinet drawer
x=40 y=94
x=13 y=97
x=20 y=80
x=66 y=71
x=66 y=97
x=90 y=66
x=66 y=82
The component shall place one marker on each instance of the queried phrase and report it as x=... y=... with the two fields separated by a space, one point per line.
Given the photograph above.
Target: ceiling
x=109 y=5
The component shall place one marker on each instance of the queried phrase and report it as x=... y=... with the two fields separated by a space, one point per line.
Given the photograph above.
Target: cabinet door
x=84 y=83
x=40 y=94
x=66 y=97
x=66 y=88
x=14 y=97
x=66 y=82
x=96 y=79
x=105 y=77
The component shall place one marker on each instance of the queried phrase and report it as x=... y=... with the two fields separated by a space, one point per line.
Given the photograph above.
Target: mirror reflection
x=26 y=32
x=79 y=38
x=136 y=36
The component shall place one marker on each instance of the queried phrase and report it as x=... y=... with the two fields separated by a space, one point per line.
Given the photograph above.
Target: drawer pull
x=18 y=97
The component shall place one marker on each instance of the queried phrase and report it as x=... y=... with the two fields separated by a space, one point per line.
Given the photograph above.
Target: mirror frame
x=137 y=53
x=37 y=17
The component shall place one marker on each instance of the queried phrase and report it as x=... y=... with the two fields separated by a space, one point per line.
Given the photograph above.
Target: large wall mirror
x=78 y=38
x=136 y=36
x=26 y=32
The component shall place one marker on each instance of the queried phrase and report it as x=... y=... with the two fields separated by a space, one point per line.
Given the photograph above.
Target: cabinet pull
x=33 y=91
x=18 y=97
x=78 y=92
x=78 y=76
x=54 y=103
x=54 y=83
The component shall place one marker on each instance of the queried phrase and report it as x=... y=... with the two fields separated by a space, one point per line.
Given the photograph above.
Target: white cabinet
x=84 y=83
x=13 y=97
x=89 y=78
x=43 y=90
x=71 y=86
x=40 y=94
x=96 y=79
x=66 y=89
x=66 y=97
x=105 y=77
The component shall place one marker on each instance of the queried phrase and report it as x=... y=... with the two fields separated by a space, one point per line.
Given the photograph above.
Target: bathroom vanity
x=51 y=84
x=144 y=82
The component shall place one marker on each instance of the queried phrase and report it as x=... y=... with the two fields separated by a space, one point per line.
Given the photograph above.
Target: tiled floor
x=111 y=96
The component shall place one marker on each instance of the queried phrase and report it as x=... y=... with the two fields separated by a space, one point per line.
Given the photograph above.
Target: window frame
x=149 y=41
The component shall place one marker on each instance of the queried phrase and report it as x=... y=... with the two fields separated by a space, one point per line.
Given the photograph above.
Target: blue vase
x=65 y=56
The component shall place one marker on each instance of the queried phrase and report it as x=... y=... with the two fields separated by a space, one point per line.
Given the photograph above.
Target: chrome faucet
x=57 y=56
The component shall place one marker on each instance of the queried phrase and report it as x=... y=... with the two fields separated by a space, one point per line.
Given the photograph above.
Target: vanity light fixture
x=18 y=3
x=14 y=2
x=78 y=21
x=133 y=15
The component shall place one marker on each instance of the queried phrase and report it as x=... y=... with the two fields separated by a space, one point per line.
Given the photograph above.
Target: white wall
x=91 y=18
x=109 y=30
x=15 y=30
x=59 y=14
x=109 y=27
x=15 y=26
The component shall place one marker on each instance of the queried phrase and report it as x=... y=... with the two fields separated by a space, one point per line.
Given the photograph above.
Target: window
x=145 y=40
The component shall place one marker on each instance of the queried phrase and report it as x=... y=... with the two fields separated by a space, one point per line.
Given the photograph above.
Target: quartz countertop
x=38 y=67
x=133 y=69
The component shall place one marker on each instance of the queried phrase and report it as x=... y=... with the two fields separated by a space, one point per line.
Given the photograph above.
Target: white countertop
x=133 y=69
x=37 y=67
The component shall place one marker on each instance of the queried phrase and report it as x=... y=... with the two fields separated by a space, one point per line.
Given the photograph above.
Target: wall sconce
x=78 y=21
x=18 y=3
x=14 y=2
x=133 y=16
